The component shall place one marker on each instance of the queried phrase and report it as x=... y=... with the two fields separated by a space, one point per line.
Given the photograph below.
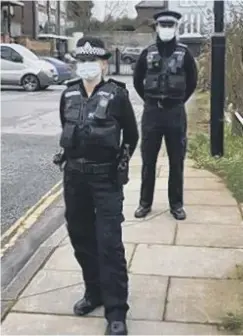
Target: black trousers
x=94 y=207
x=170 y=124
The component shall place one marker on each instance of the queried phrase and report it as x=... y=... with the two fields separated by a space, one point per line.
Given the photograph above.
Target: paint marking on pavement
x=35 y=211
x=30 y=221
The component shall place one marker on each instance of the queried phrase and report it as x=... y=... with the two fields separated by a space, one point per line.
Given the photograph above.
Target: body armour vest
x=165 y=77
x=89 y=130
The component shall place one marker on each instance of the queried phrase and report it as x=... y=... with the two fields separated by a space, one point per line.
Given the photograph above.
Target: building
x=44 y=17
x=12 y=15
x=145 y=11
x=198 y=17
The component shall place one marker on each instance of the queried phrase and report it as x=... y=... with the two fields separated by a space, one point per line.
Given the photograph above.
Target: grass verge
x=229 y=167
x=232 y=323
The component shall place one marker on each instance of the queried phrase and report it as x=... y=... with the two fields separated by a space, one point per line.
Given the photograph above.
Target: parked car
x=20 y=66
x=64 y=70
x=130 y=55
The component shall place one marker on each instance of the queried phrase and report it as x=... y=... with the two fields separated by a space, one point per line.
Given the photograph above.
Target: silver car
x=20 y=66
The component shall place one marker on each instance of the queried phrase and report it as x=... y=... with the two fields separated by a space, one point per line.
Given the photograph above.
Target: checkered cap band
x=87 y=49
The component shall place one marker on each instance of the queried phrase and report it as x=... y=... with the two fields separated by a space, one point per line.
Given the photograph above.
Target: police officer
x=94 y=114
x=165 y=77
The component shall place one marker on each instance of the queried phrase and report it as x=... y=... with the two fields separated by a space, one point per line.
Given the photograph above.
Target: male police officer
x=93 y=113
x=165 y=77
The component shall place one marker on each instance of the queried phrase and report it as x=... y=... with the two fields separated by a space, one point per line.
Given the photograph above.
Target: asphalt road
x=30 y=135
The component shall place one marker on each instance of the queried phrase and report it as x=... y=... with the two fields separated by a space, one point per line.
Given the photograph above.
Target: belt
x=160 y=103
x=155 y=102
x=85 y=167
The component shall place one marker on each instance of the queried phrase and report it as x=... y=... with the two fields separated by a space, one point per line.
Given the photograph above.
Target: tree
x=80 y=13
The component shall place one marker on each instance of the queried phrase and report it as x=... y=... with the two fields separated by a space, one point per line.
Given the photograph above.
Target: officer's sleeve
x=139 y=73
x=61 y=108
x=128 y=123
x=191 y=74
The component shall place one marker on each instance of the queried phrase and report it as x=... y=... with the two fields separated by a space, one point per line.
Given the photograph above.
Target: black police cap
x=91 y=46
x=167 y=15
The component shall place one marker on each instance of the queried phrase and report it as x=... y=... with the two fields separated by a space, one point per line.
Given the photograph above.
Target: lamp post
x=218 y=81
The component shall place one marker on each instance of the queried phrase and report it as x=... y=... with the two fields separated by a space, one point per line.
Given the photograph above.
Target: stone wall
x=126 y=39
x=129 y=39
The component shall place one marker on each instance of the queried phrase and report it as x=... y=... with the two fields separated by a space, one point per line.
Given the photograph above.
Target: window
x=192 y=3
x=6 y=53
x=42 y=2
x=62 y=5
x=9 y=54
x=53 y=4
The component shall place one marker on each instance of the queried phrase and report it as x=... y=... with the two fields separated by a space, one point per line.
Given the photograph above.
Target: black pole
x=218 y=81
x=35 y=29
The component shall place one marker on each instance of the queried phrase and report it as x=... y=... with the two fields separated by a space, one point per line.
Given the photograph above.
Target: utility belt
x=86 y=167
x=162 y=102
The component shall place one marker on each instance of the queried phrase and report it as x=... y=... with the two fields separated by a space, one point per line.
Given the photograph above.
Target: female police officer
x=94 y=114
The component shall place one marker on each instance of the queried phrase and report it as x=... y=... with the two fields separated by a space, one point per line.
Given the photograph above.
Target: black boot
x=116 y=328
x=178 y=213
x=142 y=211
x=86 y=305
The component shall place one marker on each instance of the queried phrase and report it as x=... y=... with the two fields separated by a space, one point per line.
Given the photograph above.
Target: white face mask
x=89 y=71
x=166 y=33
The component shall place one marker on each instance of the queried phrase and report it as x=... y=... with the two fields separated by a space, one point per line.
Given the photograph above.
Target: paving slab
x=210 y=235
x=193 y=183
x=63 y=258
x=51 y=292
x=159 y=230
x=37 y=324
x=55 y=292
x=204 y=301
x=191 y=197
x=185 y=261
x=213 y=214
x=188 y=172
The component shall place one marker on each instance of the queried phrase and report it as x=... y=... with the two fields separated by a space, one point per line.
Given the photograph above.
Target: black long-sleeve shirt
x=120 y=108
x=166 y=49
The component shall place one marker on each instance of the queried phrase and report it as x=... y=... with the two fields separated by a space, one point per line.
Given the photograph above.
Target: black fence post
x=218 y=81
x=117 y=61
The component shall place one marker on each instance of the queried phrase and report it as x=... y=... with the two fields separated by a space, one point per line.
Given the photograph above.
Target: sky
x=116 y=7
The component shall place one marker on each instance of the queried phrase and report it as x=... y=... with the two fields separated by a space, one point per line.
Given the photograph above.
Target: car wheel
x=127 y=60
x=44 y=87
x=30 y=83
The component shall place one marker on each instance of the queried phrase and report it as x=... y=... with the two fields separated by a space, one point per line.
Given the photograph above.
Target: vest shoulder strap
x=118 y=83
x=180 y=53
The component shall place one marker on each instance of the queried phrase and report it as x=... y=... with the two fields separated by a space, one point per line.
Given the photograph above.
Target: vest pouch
x=100 y=112
x=151 y=83
x=67 y=139
x=177 y=84
x=103 y=134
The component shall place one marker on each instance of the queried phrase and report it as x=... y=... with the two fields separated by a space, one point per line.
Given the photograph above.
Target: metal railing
x=237 y=124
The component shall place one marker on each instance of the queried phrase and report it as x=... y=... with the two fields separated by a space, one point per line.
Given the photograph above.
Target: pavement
x=182 y=274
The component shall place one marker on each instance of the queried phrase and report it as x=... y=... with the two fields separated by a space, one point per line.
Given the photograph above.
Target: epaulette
x=121 y=84
x=73 y=81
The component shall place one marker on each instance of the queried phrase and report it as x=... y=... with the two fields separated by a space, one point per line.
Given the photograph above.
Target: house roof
x=150 y=4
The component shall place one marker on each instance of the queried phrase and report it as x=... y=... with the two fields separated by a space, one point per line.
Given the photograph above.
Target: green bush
x=229 y=167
